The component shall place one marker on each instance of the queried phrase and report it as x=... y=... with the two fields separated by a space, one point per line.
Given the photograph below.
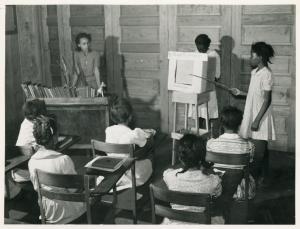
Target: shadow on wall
x=145 y=115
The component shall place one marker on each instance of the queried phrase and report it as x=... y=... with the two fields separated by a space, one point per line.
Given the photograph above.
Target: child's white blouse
x=261 y=80
x=121 y=134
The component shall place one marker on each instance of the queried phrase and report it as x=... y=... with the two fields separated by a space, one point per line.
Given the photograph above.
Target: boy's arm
x=263 y=109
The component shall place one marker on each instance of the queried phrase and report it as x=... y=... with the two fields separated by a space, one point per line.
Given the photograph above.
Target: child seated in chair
x=230 y=142
x=194 y=175
x=48 y=160
x=121 y=133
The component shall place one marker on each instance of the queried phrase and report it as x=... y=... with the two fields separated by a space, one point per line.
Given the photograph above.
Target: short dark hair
x=231 y=118
x=264 y=50
x=192 y=151
x=33 y=108
x=202 y=39
x=120 y=111
x=42 y=130
x=80 y=36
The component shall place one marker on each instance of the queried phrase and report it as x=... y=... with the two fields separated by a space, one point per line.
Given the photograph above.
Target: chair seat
x=124 y=199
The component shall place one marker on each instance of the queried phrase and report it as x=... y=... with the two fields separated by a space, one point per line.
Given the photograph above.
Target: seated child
x=121 y=115
x=48 y=160
x=230 y=142
x=31 y=109
x=193 y=176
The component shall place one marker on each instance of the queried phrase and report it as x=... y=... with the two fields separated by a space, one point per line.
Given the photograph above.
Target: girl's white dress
x=261 y=80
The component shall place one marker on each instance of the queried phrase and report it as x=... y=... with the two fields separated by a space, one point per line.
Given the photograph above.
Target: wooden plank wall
x=53 y=45
x=274 y=25
x=140 y=50
x=13 y=92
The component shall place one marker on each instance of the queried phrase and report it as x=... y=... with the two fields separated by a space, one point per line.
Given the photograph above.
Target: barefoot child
x=258 y=123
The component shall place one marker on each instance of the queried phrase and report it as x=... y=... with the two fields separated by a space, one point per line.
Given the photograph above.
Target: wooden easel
x=188 y=98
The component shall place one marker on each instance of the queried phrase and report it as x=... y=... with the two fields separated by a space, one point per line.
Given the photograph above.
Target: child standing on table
x=258 y=123
x=86 y=63
x=202 y=42
x=121 y=133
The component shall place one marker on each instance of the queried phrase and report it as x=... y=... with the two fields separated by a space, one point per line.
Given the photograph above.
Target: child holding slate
x=120 y=133
x=258 y=123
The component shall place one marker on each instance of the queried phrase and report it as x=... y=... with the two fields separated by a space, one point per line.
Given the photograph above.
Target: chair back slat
x=183 y=198
x=230 y=159
x=112 y=148
x=73 y=197
x=180 y=215
x=60 y=180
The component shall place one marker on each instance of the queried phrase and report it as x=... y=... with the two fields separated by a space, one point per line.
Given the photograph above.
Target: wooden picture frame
x=11 y=20
x=181 y=65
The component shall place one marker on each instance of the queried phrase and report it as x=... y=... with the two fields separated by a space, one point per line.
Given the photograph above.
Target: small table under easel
x=188 y=98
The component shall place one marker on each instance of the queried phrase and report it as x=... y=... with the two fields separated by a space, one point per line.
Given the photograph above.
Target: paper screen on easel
x=183 y=70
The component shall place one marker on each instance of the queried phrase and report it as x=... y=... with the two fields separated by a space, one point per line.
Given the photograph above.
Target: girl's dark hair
x=120 y=111
x=264 y=50
x=42 y=130
x=202 y=39
x=82 y=35
x=34 y=108
x=192 y=151
x=231 y=118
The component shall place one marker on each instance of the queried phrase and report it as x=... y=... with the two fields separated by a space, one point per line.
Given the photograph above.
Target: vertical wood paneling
x=64 y=35
x=29 y=44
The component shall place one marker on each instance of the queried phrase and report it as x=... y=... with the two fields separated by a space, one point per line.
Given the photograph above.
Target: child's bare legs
x=260 y=165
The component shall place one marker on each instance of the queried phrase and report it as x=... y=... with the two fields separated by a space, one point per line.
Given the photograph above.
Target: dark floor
x=272 y=205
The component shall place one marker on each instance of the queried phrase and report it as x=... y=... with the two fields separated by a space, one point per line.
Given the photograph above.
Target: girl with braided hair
x=48 y=160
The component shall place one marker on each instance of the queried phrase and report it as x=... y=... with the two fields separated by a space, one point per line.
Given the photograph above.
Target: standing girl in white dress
x=258 y=123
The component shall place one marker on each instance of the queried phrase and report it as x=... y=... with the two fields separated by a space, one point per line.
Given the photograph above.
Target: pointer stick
x=212 y=81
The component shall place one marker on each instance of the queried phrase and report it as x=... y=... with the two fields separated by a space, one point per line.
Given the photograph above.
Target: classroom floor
x=274 y=204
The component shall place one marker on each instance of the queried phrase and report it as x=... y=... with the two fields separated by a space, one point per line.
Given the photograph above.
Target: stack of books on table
x=33 y=90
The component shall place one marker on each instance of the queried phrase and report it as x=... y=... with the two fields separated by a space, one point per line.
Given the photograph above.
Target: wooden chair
x=188 y=199
x=233 y=159
x=125 y=199
x=67 y=181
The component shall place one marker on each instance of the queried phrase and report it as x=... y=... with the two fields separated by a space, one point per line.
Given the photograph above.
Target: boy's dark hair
x=202 y=39
x=82 y=35
x=33 y=108
x=42 y=130
x=192 y=152
x=264 y=50
x=120 y=111
x=231 y=118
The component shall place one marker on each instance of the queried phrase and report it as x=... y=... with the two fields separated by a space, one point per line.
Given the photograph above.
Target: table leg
x=174 y=130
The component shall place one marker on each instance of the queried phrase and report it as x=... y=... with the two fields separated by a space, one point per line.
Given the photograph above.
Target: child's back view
x=121 y=115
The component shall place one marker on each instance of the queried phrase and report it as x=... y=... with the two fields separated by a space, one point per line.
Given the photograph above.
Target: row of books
x=32 y=90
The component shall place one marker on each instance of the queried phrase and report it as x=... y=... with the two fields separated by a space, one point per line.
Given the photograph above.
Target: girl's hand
x=255 y=125
x=235 y=91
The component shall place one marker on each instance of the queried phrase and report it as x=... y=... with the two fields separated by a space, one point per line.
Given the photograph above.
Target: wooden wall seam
x=65 y=36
